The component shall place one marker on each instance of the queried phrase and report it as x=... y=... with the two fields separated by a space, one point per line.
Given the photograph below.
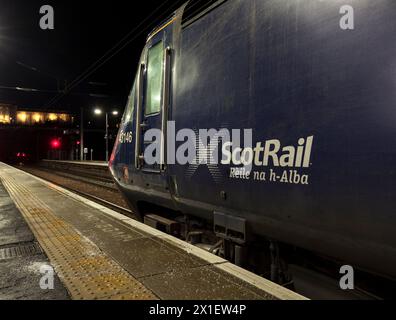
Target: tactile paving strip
x=85 y=270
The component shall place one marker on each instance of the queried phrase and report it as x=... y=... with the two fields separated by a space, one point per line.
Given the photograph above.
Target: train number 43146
x=125 y=137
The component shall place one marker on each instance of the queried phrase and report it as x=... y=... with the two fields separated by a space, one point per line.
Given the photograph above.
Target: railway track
x=97 y=186
x=84 y=178
x=95 y=174
x=103 y=202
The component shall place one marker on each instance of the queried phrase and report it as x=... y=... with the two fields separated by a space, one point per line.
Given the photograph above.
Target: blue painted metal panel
x=288 y=71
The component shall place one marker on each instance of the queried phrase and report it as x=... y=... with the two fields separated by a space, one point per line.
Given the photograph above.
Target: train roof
x=192 y=11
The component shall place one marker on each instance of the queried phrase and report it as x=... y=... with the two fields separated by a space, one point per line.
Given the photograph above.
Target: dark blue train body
x=287 y=70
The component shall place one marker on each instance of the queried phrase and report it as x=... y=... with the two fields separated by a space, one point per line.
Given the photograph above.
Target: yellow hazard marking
x=86 y=271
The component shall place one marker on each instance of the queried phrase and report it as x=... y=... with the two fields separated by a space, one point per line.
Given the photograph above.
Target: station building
x=13 y=115
x=30 y=133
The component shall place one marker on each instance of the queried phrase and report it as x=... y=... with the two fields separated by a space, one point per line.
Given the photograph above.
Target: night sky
x=39 y=59
x=84 y=31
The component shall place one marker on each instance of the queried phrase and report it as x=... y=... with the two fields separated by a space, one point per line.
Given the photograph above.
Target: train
x=299 y=97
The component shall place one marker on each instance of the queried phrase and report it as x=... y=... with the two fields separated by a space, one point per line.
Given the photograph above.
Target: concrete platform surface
x=101 y=254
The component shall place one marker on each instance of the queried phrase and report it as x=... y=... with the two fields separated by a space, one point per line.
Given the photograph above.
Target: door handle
x=165 y=107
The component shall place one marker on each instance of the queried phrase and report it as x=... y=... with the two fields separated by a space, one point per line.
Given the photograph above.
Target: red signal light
x=55 y=144
x=78 y=143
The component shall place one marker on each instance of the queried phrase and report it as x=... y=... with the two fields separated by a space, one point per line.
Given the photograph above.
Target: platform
x=100 y=254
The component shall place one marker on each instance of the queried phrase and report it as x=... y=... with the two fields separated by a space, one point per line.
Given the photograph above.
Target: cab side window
x=128 y=116
x=154 y=79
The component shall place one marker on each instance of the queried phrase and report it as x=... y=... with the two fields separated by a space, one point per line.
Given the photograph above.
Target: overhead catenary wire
x=193 y=6
x=110 y=53
x=193 y=10
x=35 y=90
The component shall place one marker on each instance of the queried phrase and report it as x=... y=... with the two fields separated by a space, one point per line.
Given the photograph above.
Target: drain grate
x=23 y=250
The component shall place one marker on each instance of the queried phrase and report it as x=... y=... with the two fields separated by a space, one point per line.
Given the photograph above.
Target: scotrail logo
x=233 y=148
x=270 y=153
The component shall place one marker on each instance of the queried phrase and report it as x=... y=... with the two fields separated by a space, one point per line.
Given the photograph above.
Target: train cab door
x=153 y=103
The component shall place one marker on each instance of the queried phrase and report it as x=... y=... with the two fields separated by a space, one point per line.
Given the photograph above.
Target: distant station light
x=52 y=117
x=22 y=117
x=37 y=117
x=31 y=118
